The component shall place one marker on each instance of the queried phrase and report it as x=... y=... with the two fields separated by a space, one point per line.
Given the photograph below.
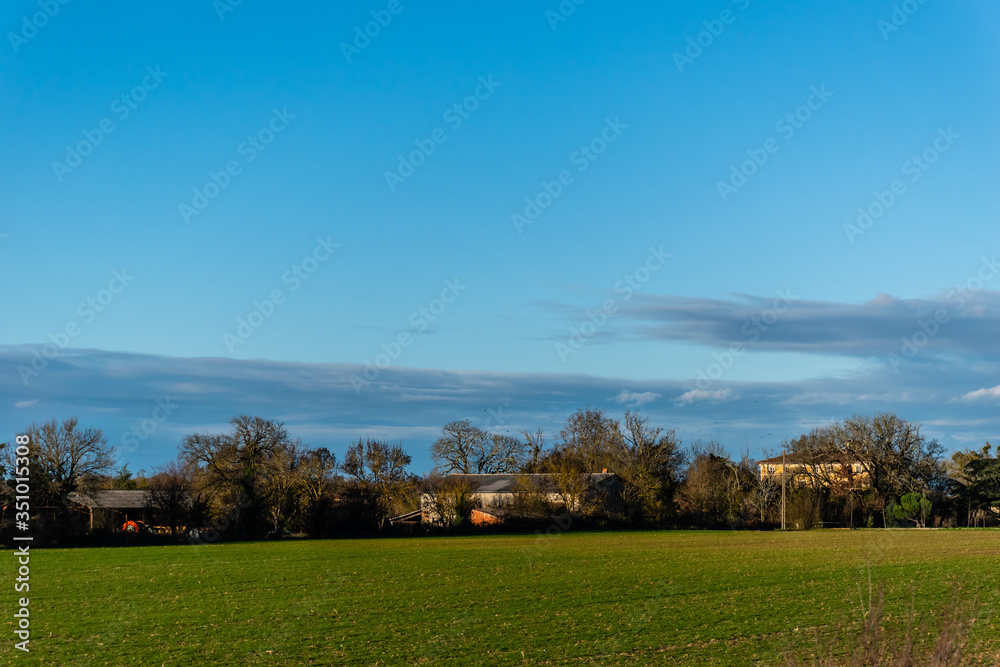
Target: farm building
x=825 y=469
x=111 y=509
x=407 y=519
x=494 y=496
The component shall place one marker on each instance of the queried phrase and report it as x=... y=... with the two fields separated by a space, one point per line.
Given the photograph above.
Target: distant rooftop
x=510 y=483
x=813 y=458
x=116 y=499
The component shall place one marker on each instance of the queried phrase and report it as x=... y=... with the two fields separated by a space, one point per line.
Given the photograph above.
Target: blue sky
x=641 y=265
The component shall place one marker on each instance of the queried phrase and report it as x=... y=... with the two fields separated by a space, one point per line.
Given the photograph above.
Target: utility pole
x=782 y=489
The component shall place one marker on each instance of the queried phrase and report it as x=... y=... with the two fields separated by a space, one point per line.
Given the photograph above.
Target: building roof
x=407 y=517
x=799 y=458
x=116 y=499
x=511 y=483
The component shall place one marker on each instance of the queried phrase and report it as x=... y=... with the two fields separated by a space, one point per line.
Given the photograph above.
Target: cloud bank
x=964 y=320
x=125 y=394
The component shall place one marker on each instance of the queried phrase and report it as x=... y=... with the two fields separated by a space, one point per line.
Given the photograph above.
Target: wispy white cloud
x=25 y=404
x=982 y=394
x=635 y=398
x=696 y=395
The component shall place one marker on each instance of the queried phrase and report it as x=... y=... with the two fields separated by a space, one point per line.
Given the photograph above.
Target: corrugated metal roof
x=114 y=499
x=495 y=487
x=509 y=483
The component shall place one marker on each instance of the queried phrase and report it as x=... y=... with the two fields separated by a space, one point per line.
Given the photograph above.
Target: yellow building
x=832 y=470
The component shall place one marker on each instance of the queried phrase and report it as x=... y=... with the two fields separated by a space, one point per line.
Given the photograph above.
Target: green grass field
x=726 y=598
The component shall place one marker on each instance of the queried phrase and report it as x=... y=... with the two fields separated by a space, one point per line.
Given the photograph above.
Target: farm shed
x=113 y=508
x=493 y=493
x=408 y=519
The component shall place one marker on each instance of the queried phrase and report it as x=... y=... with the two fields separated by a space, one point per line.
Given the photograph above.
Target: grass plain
x=674 y=597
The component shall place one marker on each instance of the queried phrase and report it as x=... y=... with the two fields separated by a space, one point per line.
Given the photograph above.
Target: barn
x=494 y=494
x=111 y=509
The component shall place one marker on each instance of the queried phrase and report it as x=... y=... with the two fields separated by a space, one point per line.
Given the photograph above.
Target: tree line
x=256 y=481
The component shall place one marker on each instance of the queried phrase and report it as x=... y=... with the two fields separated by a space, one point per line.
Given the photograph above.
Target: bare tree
x=535 y=445
x=592 y=437
x=822 y=460
x=456 y=449
x=764 y=491
x=379 y=468
x=318 y=471
x=705 y=494
x=464 y=448
x=237 y=465
x=502 y=454
x=169 y=496
x=282 y=487
x=650 y=466
x=646 y=459
x=873 y=459
x=63 y=455
x=318 y=481
x=893 y=453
